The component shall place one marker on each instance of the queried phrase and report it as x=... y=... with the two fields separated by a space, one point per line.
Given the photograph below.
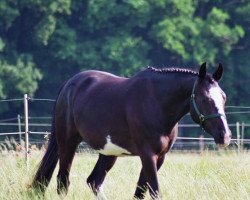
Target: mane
x=172 y=70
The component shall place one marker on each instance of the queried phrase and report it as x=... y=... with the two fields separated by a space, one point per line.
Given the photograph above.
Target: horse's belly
x=112 y=149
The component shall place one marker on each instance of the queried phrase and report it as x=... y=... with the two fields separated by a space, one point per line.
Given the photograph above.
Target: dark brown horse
x=130 y=116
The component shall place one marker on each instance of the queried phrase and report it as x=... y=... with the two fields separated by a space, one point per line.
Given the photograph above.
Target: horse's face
x=207 y=106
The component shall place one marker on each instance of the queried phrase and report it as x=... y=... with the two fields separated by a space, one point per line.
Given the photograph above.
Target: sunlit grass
x=183 y=176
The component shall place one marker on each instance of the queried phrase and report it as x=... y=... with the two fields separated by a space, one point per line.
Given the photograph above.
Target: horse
x=136 y=116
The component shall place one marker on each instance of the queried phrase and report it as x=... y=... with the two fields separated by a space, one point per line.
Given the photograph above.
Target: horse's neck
x=177 y=103
x=184 y=92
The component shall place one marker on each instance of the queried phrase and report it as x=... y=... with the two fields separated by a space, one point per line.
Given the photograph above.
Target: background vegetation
x=43 y=43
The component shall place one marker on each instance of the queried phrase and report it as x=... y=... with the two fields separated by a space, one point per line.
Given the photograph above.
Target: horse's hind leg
x=97 y=176
x=67 y=150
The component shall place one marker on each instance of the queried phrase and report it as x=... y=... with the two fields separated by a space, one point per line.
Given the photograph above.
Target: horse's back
x=89 y=87
x=94 y=77
x=91 y=84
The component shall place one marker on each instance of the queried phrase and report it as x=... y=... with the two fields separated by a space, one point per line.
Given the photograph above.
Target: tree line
x=43 y=43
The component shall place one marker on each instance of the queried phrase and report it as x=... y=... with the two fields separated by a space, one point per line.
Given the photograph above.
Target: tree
x=43 y=43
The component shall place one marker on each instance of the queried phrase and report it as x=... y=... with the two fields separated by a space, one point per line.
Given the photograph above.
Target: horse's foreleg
x=141 y=187
x=97 y=176
x=149 y=170
x=142 y=183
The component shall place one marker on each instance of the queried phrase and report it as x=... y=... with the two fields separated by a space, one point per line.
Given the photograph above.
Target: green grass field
x=183 y=176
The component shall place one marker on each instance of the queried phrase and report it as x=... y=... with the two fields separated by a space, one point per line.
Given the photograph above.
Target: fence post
x=238 y=136
x=242 y=135
x=201 y=143
x=26 y=123
x=19 y=128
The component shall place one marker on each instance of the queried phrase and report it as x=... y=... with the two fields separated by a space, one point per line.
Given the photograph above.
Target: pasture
x=212 y=176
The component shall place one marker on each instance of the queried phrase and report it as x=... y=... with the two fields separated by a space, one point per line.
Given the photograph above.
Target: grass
x=222 y=176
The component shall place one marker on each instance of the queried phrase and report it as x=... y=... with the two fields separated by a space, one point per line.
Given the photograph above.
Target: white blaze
x=216 y=95
x=112 y=149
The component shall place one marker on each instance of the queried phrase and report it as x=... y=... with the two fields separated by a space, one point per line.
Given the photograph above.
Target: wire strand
x=37 y=99
x=7 y=120
x=9 y=100
x=239 y=107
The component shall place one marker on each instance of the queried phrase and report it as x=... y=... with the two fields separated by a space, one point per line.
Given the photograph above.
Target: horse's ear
x=218 y=74
x=203 y=71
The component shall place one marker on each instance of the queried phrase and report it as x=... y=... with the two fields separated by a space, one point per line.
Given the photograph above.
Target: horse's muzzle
x=227 y=139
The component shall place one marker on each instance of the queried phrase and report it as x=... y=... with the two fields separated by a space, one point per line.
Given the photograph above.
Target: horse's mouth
x=225 y=144
x=225 y=140
x=222 y=145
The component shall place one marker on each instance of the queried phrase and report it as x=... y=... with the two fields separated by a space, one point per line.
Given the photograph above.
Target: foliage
x=19 y=78
x=43 y=43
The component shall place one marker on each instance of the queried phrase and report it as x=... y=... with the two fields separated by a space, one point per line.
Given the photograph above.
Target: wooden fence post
x=238 y=136
x=19 y=129
x=242 y=135
x=26 y=124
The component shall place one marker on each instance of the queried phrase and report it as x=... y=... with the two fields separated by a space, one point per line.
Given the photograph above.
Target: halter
x=202 y=117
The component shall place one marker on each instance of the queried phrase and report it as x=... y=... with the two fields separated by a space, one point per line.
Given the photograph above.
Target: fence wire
x=180 y=140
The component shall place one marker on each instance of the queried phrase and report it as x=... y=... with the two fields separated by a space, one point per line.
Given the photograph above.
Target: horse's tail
x=49 y=160
x=48 y=163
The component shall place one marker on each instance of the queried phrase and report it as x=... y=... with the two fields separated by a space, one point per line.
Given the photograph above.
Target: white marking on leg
x=100 y=194
x=112 y=149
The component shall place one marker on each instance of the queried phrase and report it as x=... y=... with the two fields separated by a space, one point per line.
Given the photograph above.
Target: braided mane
x=172 y=70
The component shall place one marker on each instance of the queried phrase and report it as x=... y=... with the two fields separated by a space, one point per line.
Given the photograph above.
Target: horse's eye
x=211 y=81
x=203 y=100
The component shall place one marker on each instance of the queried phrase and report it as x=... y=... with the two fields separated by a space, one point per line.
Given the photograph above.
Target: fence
x=239 y=140
x=26 y=132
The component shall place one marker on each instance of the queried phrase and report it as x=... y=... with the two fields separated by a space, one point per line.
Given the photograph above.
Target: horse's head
x=207 y=106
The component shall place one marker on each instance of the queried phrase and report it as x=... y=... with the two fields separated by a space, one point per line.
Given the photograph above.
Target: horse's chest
x=112 y=149
x=166 y=143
